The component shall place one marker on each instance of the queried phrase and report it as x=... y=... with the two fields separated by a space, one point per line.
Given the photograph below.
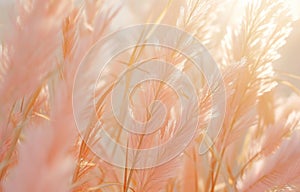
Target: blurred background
x=137 y=11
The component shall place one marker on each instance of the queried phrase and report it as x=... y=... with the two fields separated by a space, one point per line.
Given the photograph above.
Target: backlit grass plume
x=42 y=147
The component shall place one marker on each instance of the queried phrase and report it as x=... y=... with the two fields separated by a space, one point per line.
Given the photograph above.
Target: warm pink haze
x=149 y=96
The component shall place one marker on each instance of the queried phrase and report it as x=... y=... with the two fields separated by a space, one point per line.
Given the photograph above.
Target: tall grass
x=42 y=150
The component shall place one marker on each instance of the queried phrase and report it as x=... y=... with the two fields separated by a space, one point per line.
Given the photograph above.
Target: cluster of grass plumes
x=41 y=149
